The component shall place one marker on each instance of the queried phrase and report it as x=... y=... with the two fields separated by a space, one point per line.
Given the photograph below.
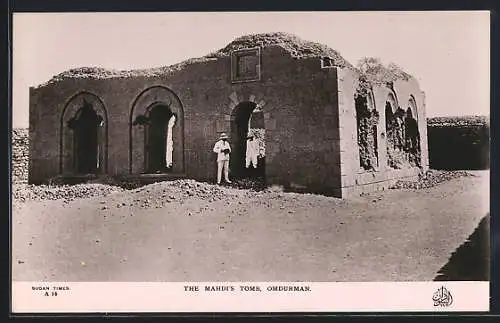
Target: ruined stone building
x=323 y=124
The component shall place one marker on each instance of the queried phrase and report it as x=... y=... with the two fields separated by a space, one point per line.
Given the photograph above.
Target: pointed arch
x=70 y=140
x=367 y=118
x=412 y=134
x=155 y=97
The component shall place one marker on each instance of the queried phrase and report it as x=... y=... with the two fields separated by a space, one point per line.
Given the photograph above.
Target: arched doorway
x=156 y=132
x=159 y=144
x=247 y=120
x=83 y=142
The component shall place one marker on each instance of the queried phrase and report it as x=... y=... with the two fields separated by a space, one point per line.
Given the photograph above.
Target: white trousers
x=222 y=165
x=251 y=159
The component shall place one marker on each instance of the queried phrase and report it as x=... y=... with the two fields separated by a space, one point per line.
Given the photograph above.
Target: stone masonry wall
x=354 y=179
x=20 y=154
x=298 y=99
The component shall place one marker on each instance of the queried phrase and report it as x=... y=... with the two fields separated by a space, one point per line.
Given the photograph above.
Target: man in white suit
x=223 y=150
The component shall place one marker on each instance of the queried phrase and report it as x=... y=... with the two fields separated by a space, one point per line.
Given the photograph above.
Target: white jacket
x=219 y=147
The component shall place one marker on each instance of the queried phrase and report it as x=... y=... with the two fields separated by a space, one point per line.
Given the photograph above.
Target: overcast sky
x=448 y=52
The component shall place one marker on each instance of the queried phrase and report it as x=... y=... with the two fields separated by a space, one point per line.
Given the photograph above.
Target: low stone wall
x=20 y=155
x=459 y=143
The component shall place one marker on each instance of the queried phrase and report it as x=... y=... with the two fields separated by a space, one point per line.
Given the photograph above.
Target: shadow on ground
x=470 y=261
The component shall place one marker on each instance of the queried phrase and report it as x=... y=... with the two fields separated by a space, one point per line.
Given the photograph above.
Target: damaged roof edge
x=293 y=45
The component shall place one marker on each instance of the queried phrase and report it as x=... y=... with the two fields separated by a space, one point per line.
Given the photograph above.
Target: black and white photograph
x=250 y=159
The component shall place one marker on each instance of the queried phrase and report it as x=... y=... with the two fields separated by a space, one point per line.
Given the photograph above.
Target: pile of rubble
x=20 y=155
x=159 y=194
x=192 y=188
x=23 y=193
x=256 y=184
x=430 y=178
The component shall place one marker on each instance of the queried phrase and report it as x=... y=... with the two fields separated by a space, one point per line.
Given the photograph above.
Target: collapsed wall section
x=384 y=122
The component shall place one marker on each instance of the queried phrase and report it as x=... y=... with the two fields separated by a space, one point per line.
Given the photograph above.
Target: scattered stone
x=20 y=155
x=67 y=193
x=430 y=178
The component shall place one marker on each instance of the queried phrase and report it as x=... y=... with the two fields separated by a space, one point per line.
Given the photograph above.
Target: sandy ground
x=164 y=233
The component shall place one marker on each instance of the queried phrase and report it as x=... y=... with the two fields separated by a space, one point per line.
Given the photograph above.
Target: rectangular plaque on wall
x=245 y=65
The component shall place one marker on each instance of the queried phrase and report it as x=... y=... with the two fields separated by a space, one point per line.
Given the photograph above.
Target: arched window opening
x=367 y=119
x=412 y=139
x=395 y=134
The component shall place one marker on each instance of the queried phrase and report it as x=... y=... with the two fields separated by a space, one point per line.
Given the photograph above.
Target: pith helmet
x=223 y=136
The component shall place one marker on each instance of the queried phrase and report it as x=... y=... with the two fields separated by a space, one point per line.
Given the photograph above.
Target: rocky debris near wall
x=20 y=155
x=178 y=191
x=24 y=193
x=256 y=184
x=181 y=189
x=429 y=179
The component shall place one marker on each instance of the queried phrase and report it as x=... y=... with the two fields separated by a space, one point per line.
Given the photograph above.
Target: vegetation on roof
x=373 y=72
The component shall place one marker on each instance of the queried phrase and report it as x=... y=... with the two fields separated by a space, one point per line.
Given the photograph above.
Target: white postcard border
x=115 y=297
